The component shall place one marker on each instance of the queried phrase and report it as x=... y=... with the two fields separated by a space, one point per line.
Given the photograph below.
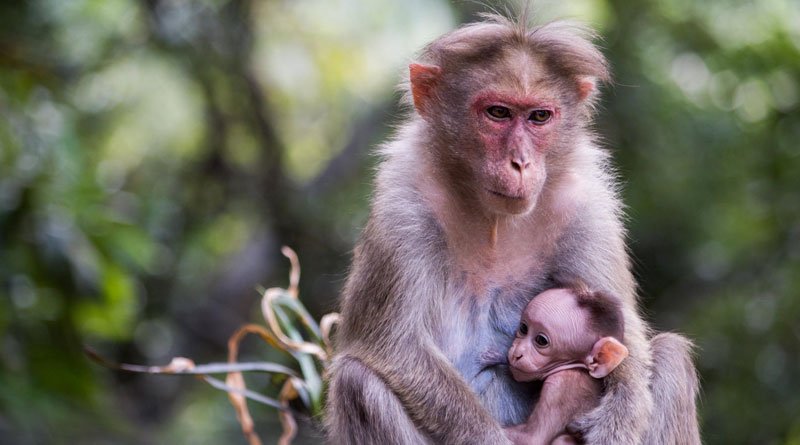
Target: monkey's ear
x=423 y=80
x=587 y=87
x=606 y=355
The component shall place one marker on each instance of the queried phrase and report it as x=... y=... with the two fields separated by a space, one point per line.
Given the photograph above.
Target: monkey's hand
x=436 y=397
x=627 y=403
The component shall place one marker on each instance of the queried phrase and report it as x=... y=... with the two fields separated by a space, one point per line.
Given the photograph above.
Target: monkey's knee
x=361 y=409
x=346 y=393
x=675 y=386
x=673 y=358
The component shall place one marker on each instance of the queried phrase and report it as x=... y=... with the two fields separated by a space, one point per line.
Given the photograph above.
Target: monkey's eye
x=540 y=116
x=498 y=112
x=541 y=340
x=523 y=329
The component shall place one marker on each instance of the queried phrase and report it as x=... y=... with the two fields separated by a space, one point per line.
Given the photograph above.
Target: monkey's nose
x=520 y=164
x=517 y=357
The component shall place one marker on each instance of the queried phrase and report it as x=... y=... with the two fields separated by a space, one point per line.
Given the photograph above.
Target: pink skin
x=513 y=167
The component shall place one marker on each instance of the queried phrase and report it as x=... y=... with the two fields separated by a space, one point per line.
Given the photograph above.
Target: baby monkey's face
x=553 y=332
x=556 y=333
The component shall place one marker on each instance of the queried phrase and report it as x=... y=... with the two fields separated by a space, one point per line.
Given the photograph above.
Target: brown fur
x=443 y=269
x=604 y=312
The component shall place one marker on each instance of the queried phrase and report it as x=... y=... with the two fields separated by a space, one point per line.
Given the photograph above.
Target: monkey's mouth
x=503 y=195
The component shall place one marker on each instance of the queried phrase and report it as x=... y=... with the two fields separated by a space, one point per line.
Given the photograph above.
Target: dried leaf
x=235 y=380
x=288 y=423
x=326 y=325
x=294 y=273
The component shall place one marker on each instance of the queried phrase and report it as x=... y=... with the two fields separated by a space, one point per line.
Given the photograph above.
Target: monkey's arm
x=387 y=315
x=595 y=253
x=435 y=395
x=624 y=413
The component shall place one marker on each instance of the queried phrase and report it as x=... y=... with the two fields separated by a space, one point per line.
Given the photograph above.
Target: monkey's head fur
x=505 y=97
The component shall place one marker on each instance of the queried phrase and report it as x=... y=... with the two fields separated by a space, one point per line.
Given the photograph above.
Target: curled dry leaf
x=272 y=322
x=294 y=273
x=326 y=324
x=306 y=389
x=236 y=380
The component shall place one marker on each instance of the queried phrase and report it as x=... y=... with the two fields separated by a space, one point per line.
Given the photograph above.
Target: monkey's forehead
x=523 y=74
x=498 y=62
x=512 y=71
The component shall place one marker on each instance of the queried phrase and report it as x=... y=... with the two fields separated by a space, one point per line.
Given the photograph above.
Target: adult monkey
x=490 y=193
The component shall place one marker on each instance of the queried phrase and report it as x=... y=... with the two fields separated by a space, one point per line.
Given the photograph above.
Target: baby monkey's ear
x=606 y=355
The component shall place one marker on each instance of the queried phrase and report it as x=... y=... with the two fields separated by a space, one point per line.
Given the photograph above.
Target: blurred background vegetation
x=155 y=155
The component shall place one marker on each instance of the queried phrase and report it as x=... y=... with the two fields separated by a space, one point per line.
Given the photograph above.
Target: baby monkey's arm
x=565 y=395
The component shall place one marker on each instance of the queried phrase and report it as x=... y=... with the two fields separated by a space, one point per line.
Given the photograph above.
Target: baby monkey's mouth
x=522 y=375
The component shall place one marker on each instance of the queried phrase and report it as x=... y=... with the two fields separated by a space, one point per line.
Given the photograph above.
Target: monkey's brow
x=515 y=100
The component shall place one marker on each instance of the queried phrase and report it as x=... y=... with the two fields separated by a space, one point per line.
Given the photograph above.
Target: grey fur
x=675 y=385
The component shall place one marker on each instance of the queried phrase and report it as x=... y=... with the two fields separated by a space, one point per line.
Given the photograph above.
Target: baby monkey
x=564 y=333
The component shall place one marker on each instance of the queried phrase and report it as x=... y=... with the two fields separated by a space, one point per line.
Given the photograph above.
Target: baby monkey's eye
x=523 y=329
x=541 y=340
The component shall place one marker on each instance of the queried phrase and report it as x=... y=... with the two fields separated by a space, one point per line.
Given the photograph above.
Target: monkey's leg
x=362 y=410
x=675 y=386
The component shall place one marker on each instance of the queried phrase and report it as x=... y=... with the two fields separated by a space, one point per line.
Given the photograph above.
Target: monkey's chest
x=478 y=331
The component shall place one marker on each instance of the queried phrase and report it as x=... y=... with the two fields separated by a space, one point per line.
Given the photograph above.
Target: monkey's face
x=498 y=123
x=552 y=334
x=514 y=132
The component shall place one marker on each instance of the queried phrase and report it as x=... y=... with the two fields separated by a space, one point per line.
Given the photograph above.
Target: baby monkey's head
x=568 y=328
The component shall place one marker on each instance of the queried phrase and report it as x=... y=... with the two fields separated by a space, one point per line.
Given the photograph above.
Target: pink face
x=515 y=131
x=553 y=332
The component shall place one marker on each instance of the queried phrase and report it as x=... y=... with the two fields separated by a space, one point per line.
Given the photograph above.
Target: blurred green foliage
x=154 y=155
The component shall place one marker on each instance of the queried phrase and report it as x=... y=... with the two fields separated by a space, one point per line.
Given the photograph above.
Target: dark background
x=155 y=155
